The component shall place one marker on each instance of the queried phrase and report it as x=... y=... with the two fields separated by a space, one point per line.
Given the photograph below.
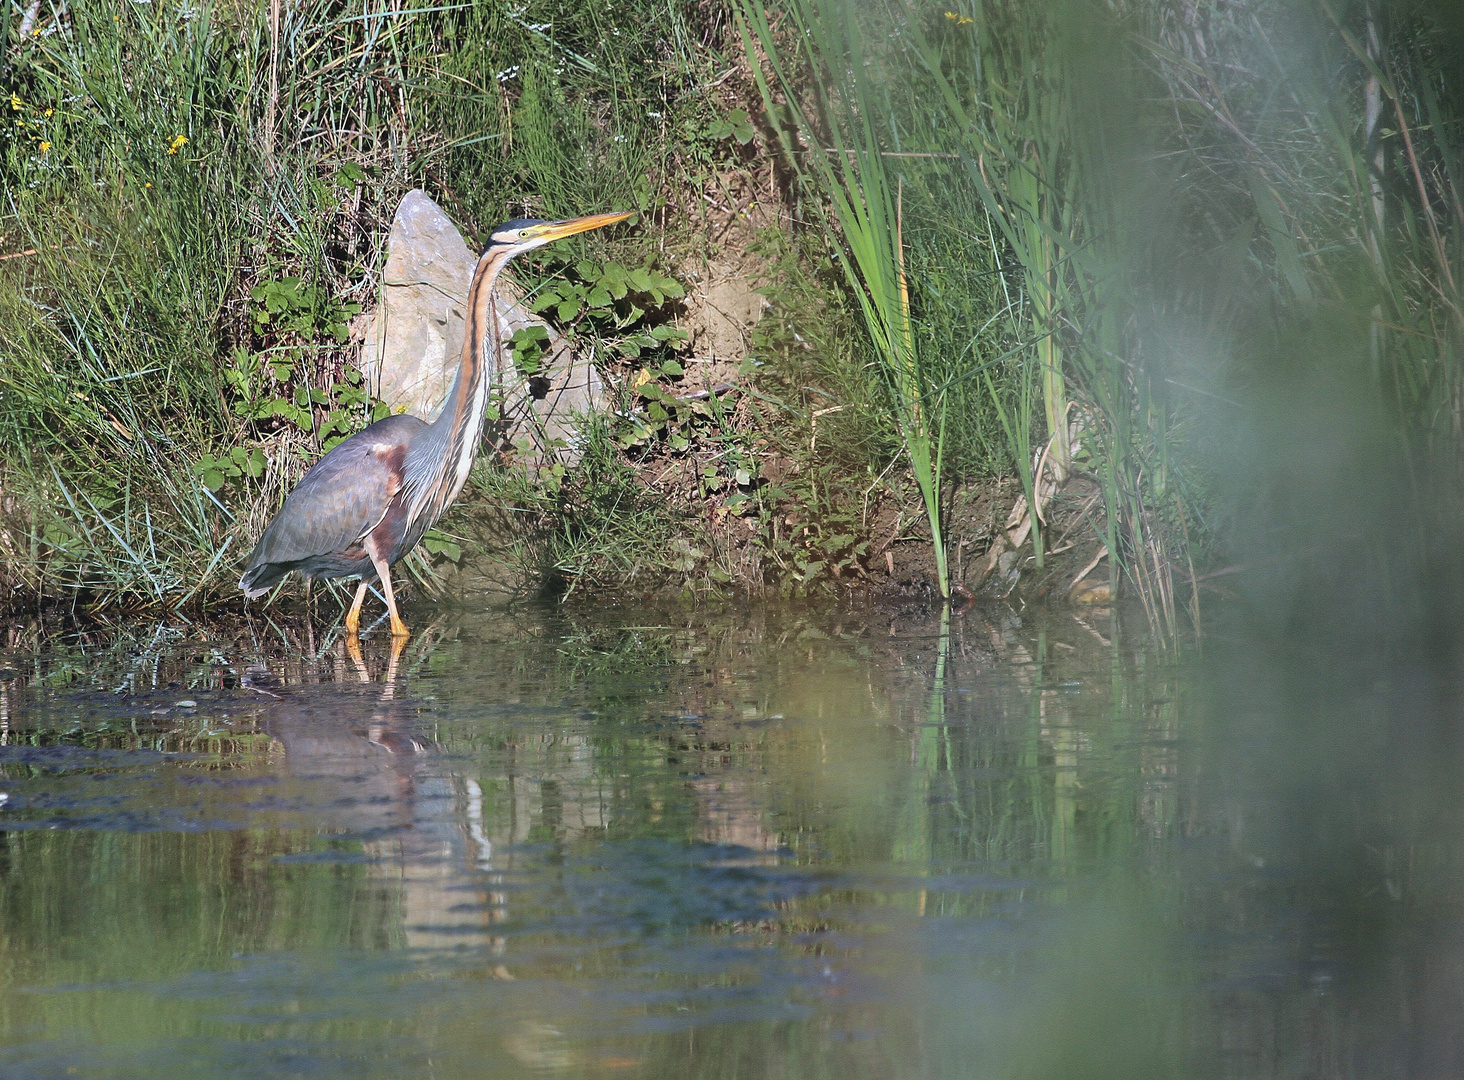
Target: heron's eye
x=524 y=234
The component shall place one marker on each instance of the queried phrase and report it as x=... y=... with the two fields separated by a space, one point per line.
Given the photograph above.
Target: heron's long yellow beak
x=558 y=230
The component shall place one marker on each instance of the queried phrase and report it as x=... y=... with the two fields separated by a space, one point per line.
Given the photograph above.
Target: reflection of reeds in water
x=981 y=768
x=796 y=742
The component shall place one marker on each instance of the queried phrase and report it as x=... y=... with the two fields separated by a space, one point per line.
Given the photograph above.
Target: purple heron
x=365 y=504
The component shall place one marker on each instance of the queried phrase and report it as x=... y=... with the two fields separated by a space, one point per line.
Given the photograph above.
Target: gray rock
x=414 y=336
x=1009 y=568
x=412 y=342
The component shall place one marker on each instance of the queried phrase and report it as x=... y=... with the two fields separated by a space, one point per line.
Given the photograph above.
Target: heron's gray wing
x=343 y=495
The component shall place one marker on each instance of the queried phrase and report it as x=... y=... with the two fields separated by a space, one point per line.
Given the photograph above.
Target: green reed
x=976 y=112
x=1031 y=100
x=865 y=225
x=1323 y=255
x=1186 y=218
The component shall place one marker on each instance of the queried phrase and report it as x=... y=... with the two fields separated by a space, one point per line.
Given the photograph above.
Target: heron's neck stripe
x=463 y=413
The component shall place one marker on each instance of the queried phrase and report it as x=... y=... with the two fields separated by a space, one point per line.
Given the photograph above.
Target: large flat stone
x=413 y=339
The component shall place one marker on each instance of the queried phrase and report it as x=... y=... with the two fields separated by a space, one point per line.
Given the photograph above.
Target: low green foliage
x=589 y=525
x=813 y=549
x=289 y=306
x=239 y=462
x=736 y=125
x=441 y=545
x=611 y=299
x=269 y=389
x=528 y=346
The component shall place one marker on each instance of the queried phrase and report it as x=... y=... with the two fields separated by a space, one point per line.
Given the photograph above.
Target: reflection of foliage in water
x=806 y=763
x=621 y=648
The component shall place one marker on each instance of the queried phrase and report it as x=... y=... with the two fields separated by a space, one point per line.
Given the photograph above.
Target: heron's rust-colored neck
x=461 y=421
x=480 y=335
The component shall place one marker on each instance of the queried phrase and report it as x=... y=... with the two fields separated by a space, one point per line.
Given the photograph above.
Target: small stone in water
x=186 y=703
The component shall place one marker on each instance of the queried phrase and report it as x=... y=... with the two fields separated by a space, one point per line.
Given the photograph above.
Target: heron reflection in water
x=363 y=506
x=364 y=762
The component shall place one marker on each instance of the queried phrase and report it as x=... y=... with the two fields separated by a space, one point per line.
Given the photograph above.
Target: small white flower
x=653 y=115
x=507 y=73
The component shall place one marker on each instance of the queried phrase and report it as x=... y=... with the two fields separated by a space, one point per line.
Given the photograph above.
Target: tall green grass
x=1321 y=252
x=161 y=160
x=1185 y=211
x=973 y=107
x=866 y=222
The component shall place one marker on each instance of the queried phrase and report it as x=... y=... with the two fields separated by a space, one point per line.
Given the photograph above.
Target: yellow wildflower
x=45 y=146
x=179 y=141
x=147 y=185
x=959 y=20
x=48 y=112
x=15 y=102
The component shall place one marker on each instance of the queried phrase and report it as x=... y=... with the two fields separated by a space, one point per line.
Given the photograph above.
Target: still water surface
x=765 y=842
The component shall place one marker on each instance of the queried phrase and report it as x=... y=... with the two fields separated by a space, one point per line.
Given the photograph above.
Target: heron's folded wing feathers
x=341 y=498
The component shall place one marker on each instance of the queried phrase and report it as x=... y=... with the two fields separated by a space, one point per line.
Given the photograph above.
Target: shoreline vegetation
x=1083 y=301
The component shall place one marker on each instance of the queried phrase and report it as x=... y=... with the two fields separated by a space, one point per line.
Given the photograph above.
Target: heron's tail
x=258 y=580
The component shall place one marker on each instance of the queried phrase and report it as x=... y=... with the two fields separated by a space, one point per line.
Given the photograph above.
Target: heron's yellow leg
x=353 y=617
x=383 y=571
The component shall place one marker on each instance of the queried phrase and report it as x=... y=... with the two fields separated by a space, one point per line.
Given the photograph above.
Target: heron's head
x=524 y=234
